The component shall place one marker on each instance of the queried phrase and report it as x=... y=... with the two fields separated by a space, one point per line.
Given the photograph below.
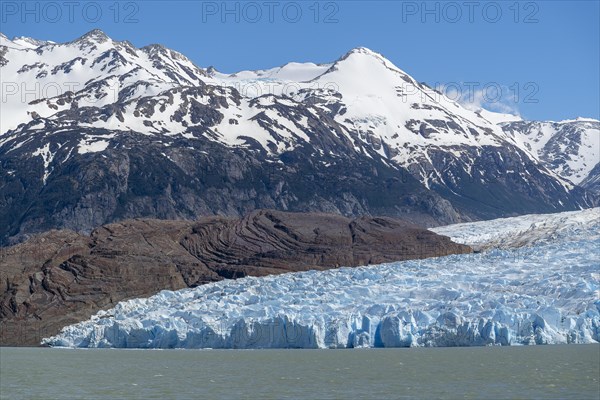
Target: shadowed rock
x=61 y=277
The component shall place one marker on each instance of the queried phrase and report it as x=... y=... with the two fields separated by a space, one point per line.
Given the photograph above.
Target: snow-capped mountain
x=407 y=120
x=569 y=148
x=384 y=108
x=97 y=130
x=92 y=71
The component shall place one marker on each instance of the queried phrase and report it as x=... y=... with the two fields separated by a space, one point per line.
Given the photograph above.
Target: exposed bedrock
x=61 y=277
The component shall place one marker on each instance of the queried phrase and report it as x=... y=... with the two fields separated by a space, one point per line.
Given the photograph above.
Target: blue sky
x=543 y=56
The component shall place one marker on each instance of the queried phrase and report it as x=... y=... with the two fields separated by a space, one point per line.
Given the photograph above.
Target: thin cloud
x=497 y=99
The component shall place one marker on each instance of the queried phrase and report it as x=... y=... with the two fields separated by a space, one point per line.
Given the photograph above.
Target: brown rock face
x=61 y=277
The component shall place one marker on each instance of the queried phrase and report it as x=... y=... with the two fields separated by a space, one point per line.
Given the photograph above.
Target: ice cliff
x=541 y=287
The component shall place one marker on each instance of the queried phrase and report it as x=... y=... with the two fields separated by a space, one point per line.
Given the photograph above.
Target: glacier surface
x=526 y=230
x=546 y=292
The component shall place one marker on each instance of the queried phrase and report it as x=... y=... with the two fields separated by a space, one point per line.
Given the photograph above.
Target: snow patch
x=87 y=146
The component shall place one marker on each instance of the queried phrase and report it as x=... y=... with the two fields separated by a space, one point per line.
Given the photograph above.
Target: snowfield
x=546 y=292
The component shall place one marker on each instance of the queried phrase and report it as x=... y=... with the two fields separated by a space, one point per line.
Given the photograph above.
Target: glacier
x=541 y=287
x=525 y=230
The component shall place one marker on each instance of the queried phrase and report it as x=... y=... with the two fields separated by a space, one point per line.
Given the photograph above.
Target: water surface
x=544 y=372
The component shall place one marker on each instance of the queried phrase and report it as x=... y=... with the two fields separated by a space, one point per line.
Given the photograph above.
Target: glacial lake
x=543 y=372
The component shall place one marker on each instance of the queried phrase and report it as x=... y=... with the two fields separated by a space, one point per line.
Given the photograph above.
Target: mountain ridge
x=147 y=133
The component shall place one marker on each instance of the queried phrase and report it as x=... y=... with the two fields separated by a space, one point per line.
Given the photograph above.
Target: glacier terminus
x=541 y=288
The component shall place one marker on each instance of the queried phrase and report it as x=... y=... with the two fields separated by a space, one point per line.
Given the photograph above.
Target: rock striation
x=62 y=277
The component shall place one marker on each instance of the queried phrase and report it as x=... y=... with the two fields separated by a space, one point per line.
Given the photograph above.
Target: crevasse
x=544 y=293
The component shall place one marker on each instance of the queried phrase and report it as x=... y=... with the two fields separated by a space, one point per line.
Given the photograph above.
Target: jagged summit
x=32 y=41
x=96 y=35
x=154 y=50
x=211 y=70
x=22 y=42
x=153 y=47
x=102 y=70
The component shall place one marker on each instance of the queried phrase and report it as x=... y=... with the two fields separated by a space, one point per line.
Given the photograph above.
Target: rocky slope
x=118 y=132
x=569 y=148
x=62 y=277
x=592 y=182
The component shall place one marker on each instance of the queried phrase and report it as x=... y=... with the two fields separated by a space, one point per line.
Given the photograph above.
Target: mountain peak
x=363 y=51
x=364 y=59
x=95 y=35
x=154 y=47
x=156 y=50
x=31 y=41
x=211 y=71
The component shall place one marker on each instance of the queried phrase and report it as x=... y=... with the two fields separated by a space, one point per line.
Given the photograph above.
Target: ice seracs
x=545 y=293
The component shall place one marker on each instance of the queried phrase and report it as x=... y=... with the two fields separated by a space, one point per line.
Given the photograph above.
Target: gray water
x=544 y=372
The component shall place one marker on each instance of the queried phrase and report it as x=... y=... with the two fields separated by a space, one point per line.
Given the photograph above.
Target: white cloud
x=490 y=96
